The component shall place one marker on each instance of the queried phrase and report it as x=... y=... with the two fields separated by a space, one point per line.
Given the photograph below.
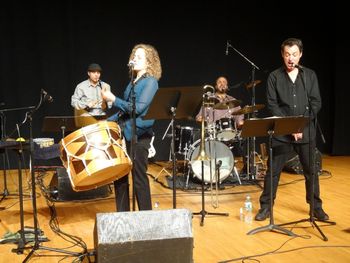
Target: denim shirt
x=145 y=89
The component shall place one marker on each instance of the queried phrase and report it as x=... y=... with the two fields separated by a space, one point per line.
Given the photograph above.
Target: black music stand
x=175 y=103
x=269 y=127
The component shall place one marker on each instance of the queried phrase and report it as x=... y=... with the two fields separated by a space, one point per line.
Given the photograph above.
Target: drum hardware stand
x=202 y=156
x=270 y=127
x=236 y=173
x=164 y=169
x=313 y=173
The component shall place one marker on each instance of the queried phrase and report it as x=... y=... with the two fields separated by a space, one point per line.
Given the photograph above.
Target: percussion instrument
x=225 y=129
x=184 y=137
x=95 y=155
x=217 y=151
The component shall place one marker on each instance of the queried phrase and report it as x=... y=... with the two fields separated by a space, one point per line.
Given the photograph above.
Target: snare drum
x=95 y=155
x=226 y=130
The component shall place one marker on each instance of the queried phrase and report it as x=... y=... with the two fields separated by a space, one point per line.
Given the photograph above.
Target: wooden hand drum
x=95 y=155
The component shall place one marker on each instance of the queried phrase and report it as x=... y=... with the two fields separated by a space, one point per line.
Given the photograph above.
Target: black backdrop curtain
x=48 y=45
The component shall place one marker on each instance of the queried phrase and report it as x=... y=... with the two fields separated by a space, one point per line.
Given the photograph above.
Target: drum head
x=216 y=151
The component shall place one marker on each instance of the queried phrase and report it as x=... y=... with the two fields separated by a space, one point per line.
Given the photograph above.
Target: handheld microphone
x=131 y=64
x=298 y=66
x=226 y=48
x=47 y=96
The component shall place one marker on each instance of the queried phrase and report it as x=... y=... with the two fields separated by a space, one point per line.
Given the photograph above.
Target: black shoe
x=320 y=214
x=262 y=214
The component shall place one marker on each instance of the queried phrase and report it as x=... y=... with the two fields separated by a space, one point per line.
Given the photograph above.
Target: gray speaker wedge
x=144 y=236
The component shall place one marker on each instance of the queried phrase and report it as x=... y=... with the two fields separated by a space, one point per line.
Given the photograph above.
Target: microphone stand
x=251 y=168
x=312 y=146
x=4 y=156
x=133 y=133
x=173 y=114
x=36 y=246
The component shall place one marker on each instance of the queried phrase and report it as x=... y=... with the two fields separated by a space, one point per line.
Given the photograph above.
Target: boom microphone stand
x=251 y=169
x=36 y=246
x=312 y=146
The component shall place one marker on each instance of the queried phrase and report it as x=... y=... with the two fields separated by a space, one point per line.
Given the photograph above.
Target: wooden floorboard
x=221 y=238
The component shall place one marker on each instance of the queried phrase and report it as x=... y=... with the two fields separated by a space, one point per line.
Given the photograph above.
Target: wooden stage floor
x=220 y=239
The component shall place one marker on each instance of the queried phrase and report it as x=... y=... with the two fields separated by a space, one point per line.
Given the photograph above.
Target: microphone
x=47 y=96
x=298 y=66
x=131 y=64
x=227 y=48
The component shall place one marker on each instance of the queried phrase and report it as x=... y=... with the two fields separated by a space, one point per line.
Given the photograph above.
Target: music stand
x=175 y=103
x=269 y=127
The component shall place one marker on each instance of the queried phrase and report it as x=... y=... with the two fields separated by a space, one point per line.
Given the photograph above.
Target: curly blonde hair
x=154 y=67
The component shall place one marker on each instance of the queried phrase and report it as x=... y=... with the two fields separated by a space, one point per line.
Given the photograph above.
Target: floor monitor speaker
x=144 y=236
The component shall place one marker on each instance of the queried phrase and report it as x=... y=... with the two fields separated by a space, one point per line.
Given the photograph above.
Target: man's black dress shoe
x=320 y=214
x=262 y=214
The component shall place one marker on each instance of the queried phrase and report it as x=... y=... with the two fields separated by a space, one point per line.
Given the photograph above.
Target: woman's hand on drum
x=107 y=95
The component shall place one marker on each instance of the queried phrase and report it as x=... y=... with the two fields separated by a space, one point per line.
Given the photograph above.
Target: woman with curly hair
x=145 y=69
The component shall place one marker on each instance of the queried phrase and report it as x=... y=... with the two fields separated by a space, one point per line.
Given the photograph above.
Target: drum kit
x=219 y=138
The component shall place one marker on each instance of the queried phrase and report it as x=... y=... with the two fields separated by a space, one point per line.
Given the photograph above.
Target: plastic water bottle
x=156 y=206
x=248 y=210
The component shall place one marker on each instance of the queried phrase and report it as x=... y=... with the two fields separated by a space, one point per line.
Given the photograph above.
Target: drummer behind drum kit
x=219 y=137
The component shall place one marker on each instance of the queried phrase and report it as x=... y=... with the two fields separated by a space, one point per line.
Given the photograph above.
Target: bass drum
x=216 y=151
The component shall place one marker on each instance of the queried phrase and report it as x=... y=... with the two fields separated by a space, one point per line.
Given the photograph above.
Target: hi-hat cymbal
x=253 y=83
x=248 y=109
x=227 y=105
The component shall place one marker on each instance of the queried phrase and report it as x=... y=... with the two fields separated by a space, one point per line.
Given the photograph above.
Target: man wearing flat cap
x=87 y=99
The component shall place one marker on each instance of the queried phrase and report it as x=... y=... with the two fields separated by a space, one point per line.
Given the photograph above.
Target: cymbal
x=253 y=83
x=249 y=109
x=227 y=105
x=210 y=101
